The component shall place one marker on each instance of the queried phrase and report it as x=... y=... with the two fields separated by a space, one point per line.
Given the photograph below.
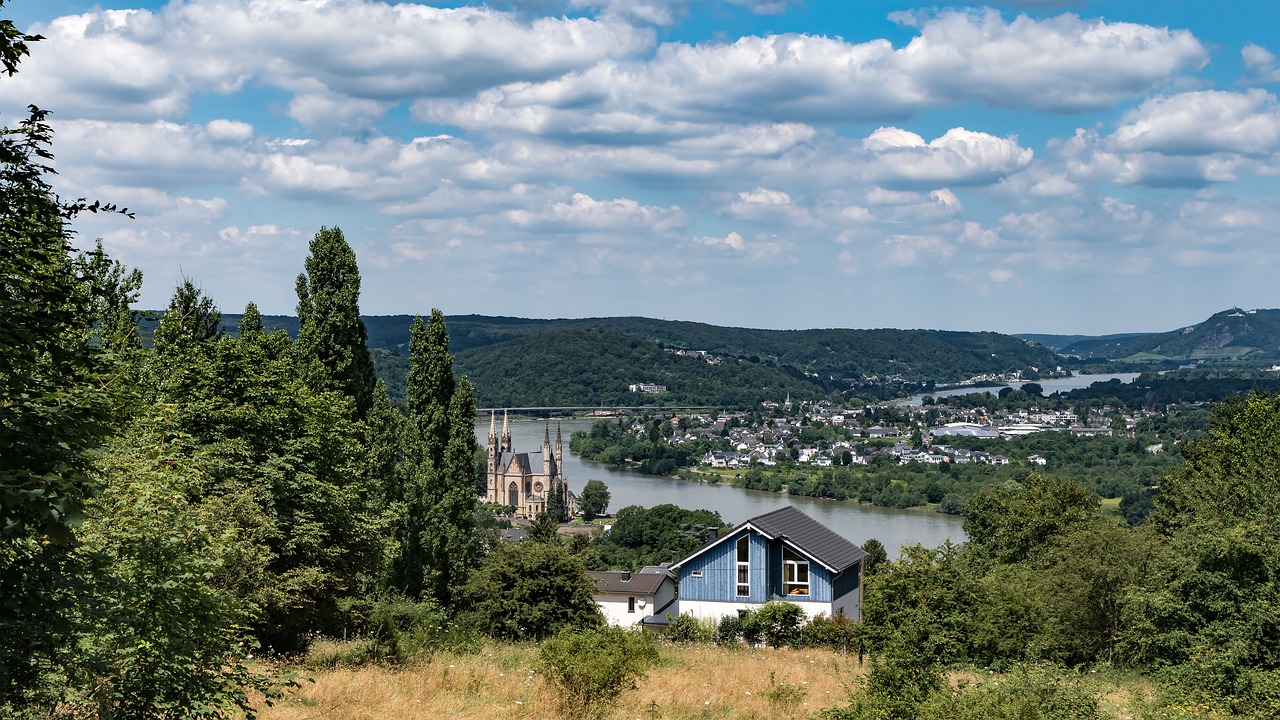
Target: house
x=781 y=555
x=627 y=598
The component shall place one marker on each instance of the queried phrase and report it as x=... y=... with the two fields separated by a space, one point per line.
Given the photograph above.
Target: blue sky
x=1070 y=167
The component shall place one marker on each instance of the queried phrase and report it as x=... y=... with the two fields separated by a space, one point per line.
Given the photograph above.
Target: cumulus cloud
x=758 y=249
x=1063 y=63
x=1059 y=64
x=1201 y=123
x=584 y=214
x=960 y=157
x=1260 y=66
x=142 y=65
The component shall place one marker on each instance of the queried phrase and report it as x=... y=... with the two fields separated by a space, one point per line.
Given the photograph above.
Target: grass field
x=690 y=682
x=497 y=682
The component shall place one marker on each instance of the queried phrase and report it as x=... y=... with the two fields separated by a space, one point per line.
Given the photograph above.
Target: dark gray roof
x=611 y=582
x=815 y=539
x=812 y=537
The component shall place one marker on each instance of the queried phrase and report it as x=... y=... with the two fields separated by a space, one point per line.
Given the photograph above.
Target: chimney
x=712 y=534
x=626 y=576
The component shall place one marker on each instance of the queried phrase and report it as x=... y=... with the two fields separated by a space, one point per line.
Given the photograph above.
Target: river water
x=1051 y=386
x=853 y=521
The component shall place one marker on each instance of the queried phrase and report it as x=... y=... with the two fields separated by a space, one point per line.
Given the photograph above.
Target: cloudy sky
x=1070 y=167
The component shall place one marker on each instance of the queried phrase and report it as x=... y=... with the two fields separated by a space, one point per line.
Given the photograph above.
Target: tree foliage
x=594 y=499
x=530 y=591
x=330 y=330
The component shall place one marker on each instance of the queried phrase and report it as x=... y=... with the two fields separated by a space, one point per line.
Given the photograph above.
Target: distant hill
x=1077 y=344
x=587 y=361
x=1229 y=335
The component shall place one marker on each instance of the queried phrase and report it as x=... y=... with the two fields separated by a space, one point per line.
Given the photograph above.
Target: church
x=524 y=480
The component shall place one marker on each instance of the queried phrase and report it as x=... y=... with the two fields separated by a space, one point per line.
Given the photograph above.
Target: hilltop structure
x=524 y=480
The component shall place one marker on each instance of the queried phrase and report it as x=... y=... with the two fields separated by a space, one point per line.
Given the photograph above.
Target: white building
x=626 y=598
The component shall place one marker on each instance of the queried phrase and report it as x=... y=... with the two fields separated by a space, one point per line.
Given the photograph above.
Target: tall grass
x=498 y=681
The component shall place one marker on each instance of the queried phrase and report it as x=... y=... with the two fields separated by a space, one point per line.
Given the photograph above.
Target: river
x=853 y=521
x=1050 y=385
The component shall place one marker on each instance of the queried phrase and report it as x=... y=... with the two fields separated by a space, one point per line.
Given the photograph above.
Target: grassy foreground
x=695 y=681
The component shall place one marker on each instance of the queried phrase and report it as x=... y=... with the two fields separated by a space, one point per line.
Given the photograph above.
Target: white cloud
x=140 y=65
x=904 y=250
x=1201 y=123
x=960 y=157
x=589 y=218
x=794 y=78
x=1260 y=64
x=1063 y=63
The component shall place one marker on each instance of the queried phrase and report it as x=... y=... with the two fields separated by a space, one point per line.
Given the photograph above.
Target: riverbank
x=726 y=475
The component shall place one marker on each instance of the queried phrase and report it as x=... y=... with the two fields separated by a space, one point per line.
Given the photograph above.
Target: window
x=795 y=573
x=631 y=604
x=743 y=566
x=696 y=573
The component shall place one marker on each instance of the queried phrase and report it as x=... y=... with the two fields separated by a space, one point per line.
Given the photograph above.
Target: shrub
x=838 y=633
x=729 y=630
x=591 y=668
x=1028 y=692
x=779 y=623
x=687 y=628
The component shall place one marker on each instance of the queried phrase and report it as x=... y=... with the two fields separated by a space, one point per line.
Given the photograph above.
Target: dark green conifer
x=330 y=332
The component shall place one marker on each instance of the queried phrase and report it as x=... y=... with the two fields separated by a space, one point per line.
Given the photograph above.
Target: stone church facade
x=524 y=480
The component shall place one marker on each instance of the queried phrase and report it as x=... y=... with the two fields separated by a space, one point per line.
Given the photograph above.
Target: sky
x=1032 y=166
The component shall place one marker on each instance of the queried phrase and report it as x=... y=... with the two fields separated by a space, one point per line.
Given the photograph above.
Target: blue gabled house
x=781 y=555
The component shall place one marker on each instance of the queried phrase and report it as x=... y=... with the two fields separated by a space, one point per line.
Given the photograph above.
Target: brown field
x=690 y=682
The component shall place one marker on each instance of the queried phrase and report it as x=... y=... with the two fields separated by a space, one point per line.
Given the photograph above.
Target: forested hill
x=593 y=366
x=590 y=361
x=1230 y=334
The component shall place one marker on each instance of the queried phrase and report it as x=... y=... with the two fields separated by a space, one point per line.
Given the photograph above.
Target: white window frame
x=791 y=564
x=742 y=569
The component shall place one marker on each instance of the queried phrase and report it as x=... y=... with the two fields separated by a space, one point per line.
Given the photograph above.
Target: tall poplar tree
x=438 y=500
x=331 y=333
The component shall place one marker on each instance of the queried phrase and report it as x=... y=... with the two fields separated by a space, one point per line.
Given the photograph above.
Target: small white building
x=626 y=598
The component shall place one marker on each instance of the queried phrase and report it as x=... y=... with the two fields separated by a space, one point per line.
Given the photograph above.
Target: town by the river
x=854 y=521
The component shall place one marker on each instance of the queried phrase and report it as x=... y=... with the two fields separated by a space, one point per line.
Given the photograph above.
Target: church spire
x=493 y=428
x=559 y=451
x=546 y=451
x=506 y=434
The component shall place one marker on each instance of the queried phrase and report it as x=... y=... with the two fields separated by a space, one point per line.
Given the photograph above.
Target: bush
x=1028 y=692
x=779 y=623
x=729 y=630
x=590 y=669
x=838 y=633
x=687 y=628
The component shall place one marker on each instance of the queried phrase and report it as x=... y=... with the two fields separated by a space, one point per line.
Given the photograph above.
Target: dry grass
x=497 y=682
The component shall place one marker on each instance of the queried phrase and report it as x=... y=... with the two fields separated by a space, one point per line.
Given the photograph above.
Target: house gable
x=790 y=557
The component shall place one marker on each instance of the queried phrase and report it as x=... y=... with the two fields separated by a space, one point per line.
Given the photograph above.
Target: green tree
x=1013 y=523
x=191 y=321
x=330 y=331
x=529 y=591
x=876 y=557
x=434 y=527
x=594 y=499
x=62 y=393
x=162 y=631
x=557 y=508
x=544 y=529
x=286 y=468
x=1209 y=613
